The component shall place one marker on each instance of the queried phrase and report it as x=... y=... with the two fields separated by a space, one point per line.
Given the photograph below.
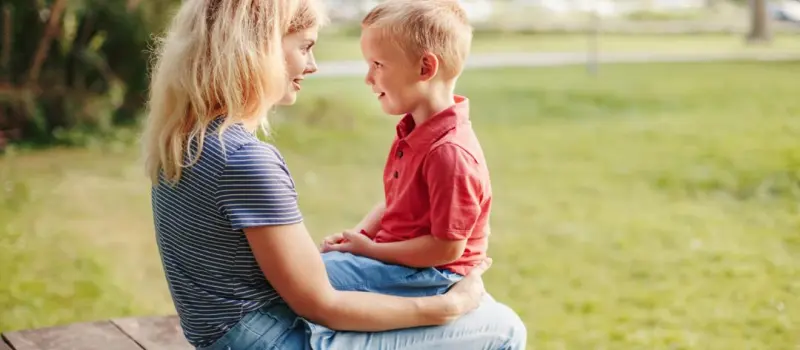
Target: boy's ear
x=429 y=66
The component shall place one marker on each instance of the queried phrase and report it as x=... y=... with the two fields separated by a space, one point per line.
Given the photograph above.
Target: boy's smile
x=392 y=75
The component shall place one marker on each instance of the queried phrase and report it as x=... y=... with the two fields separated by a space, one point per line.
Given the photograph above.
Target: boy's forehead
x=371 y=36
x=378 y=42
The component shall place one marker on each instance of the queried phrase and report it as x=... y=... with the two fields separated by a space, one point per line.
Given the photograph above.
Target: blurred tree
x=67 y=63
x=759 y=23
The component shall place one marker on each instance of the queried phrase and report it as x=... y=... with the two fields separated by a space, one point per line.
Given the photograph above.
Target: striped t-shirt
x=212 y=274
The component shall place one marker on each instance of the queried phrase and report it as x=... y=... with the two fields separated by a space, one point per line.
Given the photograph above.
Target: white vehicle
x=788 y=10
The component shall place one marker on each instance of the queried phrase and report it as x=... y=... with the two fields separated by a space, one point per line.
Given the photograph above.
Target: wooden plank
x=102 y=335
x=3 y=345
x=155 y=332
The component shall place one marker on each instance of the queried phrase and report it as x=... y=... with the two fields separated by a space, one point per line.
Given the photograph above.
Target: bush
x=92 y=73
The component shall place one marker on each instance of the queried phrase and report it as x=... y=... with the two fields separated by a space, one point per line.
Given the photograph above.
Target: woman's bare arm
x=292 y=264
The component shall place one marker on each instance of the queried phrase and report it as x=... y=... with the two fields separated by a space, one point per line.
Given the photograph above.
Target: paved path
x=358 y=68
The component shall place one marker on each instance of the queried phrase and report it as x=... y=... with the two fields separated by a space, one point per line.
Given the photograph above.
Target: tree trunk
x=759 y=23
x=53 y=26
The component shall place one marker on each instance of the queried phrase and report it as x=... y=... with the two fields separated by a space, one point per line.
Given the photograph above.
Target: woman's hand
x=467 y=294
x=292 y=264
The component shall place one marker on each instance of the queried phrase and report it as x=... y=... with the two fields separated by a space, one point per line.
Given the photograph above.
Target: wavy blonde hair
x=219 y=57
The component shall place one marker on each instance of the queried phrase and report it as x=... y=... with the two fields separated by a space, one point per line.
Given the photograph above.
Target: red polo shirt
x=436 y=182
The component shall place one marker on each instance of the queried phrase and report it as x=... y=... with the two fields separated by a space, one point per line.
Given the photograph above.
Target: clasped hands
x=349 y=241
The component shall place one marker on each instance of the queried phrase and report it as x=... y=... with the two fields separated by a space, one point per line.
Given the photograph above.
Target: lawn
x=651 y=207
x=334 y=46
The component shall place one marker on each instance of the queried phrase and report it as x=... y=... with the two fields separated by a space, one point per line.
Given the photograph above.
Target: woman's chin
x=289 y=99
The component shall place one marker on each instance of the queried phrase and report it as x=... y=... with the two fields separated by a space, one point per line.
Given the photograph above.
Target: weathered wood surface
x=149 y=333
x=155 y=332
x=84 y=336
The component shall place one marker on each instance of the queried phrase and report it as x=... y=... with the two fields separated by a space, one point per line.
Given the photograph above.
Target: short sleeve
x=256 y=189
x=455 y=187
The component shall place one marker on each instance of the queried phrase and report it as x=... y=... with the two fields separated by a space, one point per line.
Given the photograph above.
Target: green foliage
x=94 y=74
x=665 y=15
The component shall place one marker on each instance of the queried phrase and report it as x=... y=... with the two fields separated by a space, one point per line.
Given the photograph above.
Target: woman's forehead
x=309 y=34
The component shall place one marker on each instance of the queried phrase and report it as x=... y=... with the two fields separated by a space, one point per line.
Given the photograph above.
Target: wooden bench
x=149 y=333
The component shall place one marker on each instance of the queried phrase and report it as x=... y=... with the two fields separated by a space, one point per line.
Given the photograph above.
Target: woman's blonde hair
x=219 y=57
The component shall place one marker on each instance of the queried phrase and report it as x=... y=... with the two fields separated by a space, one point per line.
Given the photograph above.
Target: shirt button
x=396 y=174
x=399 y=154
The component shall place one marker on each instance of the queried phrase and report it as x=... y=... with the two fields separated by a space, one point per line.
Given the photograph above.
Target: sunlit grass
x=651 y=207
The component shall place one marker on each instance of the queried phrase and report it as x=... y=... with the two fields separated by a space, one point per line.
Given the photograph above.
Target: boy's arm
x=371 y=223
x=419 y=252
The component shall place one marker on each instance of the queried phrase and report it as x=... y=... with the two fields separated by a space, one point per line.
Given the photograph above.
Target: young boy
x=433 y=226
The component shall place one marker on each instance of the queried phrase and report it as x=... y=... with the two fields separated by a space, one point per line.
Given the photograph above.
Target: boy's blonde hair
x=219 y=57
x=439 y=27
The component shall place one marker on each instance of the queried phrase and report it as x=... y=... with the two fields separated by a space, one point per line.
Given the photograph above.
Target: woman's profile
x=243 y=271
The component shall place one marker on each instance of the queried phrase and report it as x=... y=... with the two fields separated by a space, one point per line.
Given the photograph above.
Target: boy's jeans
x=357 y=273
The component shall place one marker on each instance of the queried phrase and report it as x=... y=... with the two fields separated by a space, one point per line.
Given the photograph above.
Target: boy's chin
x=393 y=111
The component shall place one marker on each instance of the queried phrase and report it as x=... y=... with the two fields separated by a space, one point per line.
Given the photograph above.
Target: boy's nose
x=368 y=79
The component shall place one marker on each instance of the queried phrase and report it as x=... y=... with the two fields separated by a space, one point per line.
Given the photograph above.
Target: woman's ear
x=429 y=66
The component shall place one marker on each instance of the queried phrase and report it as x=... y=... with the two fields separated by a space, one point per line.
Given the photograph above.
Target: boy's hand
x=351 y=242
x=335 y=238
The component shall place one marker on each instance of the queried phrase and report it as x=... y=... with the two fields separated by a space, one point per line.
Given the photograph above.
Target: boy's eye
x=377 y=64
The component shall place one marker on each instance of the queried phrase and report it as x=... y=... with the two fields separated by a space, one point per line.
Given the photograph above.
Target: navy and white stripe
x=211 y=271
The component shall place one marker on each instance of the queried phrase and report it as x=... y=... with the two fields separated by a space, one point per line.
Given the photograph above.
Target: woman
x=241 y=267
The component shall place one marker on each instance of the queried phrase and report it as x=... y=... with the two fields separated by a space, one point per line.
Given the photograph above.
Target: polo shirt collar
x=436 y=126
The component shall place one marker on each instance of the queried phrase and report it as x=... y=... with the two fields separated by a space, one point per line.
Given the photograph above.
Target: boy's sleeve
x=256 y=189
x=455 y=188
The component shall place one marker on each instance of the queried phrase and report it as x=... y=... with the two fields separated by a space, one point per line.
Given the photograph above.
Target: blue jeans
x=357 y=273
x=492 y=326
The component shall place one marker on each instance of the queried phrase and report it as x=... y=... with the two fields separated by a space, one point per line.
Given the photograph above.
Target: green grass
x=651 y=207
x=337 y=46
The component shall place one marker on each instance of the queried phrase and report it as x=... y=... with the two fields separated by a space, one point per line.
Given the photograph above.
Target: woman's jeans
x=491 y=326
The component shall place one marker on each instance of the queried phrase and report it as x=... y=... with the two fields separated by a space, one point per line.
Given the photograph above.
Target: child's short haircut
x=440 y=27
